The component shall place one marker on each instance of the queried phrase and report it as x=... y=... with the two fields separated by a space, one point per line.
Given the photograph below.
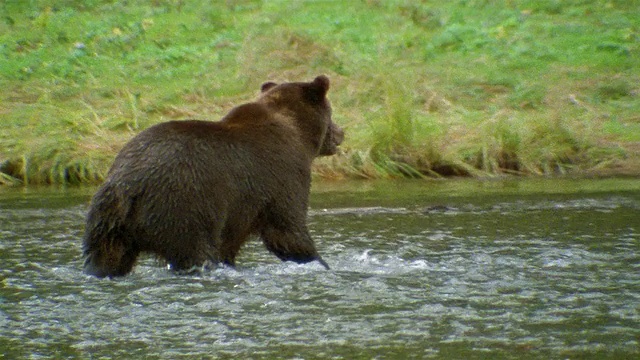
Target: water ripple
x=466 y=281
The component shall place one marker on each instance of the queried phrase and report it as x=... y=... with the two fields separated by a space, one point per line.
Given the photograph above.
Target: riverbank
x=464 y=88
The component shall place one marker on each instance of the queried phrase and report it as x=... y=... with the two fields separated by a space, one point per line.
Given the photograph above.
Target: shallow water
x=454 y=269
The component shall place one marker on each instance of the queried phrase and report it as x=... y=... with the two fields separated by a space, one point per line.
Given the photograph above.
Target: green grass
x=423 y=89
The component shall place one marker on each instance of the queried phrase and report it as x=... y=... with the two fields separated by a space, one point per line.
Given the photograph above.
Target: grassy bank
x=472 y=88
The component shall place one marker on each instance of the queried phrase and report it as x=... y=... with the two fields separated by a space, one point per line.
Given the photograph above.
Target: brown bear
x=192 y=192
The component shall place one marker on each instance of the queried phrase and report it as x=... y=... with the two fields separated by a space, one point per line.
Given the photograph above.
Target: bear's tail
x=107 y=247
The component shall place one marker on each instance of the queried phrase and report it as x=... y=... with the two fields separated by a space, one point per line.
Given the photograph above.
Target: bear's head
x=307 y=105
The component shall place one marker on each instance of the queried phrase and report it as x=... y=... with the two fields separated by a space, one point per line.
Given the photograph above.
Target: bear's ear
x=319 y=88
x=266 y=86
x=322 y=82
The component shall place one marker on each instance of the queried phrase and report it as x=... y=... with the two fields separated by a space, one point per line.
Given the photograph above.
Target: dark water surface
x=454 y=269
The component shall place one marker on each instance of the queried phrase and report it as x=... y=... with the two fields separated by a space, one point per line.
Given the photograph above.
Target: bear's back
x=250 y=126
x=198 y=156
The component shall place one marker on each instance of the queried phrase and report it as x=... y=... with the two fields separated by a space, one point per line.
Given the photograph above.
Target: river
x=455 y=269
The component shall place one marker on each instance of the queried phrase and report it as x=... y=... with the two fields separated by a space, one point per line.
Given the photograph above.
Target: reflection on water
x=447 y=270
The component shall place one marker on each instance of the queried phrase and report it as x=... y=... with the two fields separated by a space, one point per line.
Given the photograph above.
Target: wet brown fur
x=193 y=192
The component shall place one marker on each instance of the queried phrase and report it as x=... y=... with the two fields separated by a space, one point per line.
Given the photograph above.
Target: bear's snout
x=338 y=134
x=333 y=138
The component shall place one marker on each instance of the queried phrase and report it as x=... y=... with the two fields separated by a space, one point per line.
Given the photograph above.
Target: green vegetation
x=464 y=87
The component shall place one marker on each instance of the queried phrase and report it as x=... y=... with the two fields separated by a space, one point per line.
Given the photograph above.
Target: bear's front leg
x=291 y=245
